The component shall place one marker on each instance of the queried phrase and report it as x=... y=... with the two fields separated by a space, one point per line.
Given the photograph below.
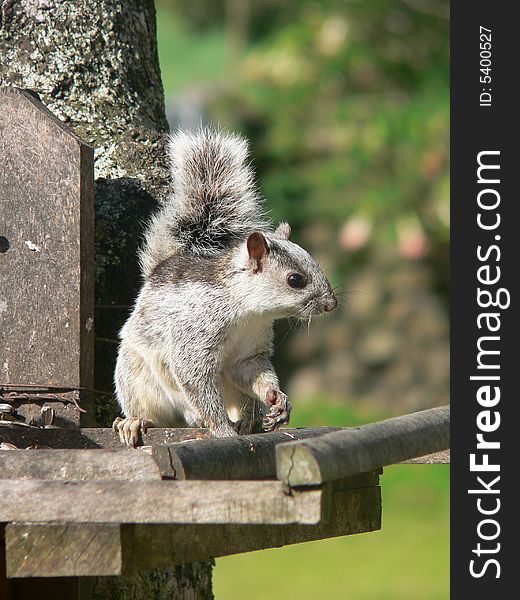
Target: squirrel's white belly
x=244 y=341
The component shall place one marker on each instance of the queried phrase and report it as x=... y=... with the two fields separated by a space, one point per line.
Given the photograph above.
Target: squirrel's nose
x=329 y=302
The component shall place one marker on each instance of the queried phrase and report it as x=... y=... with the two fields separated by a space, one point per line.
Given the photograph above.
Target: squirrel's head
x=284 y=277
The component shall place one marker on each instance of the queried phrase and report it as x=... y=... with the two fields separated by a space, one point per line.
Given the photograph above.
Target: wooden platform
x=76 y=513
x=77 y=504
x=166 y=523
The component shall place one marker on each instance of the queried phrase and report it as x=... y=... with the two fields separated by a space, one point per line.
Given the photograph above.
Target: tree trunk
x=94 y=64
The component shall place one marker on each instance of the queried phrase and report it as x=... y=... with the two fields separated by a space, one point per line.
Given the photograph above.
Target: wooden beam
x=249 y=457
x=98 y=437
x=353 y=512
x=347 y=452
x=243 y=457
x=218 y=502
x=78 y=465
x=94 y=437
x=85 y=549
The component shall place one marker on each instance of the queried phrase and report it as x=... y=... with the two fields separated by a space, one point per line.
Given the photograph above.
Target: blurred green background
x=346 y=105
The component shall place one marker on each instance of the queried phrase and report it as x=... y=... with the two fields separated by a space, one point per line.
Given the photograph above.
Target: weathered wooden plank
x=71 y=549
x=33 y=549
x=240 y=502
x=97 y=437
x=93 y=437
x=243 y=457
x=343 y=453
x=353 y=512
x=78 y=465
x=46 y=250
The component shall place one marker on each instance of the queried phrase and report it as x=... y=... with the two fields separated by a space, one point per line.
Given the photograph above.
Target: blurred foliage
x=346 y=104
x=206 y=51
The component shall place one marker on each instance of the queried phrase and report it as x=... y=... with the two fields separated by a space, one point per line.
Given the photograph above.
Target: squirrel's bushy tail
x=214 y=200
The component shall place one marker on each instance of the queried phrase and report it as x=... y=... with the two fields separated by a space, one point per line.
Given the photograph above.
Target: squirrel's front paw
x=280 y=411
x=129 y=429
x=248 y=425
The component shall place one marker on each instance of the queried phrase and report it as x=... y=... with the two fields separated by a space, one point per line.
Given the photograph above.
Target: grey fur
x=214 y=200
x=199 y=340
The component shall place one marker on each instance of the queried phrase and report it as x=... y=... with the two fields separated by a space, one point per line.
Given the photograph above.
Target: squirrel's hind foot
x=129 y=429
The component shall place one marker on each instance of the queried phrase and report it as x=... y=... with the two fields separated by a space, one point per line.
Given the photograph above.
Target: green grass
x=187 y=57
x=319 y=413
x=407 y=560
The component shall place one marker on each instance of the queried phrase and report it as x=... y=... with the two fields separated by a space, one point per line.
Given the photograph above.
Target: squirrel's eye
x=295 y=280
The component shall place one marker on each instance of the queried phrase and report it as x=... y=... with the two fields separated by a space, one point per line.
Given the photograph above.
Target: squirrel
x=216 y=273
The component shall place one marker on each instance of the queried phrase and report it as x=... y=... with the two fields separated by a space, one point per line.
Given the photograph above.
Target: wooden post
x=243 y=457
x=46 y=259
x=344 y=453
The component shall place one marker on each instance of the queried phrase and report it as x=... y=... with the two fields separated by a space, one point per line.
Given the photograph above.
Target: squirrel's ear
x=257 y=249
x=283 y=230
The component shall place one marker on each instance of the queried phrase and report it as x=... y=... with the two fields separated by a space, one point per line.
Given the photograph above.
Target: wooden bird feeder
x=77 y=504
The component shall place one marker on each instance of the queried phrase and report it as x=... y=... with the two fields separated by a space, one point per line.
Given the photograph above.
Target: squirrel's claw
x=129 y=429
x=280 y=411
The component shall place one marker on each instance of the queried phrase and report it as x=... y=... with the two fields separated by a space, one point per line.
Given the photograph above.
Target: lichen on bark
x=184 y=583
